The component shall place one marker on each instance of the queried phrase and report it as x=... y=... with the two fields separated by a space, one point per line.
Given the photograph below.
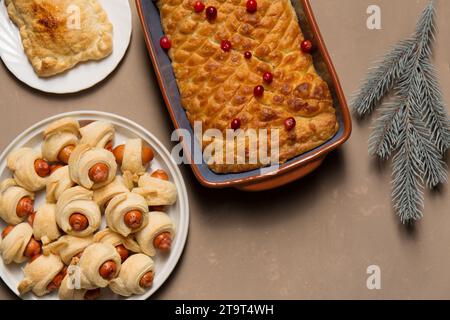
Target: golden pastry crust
x=52 y=46
x=217 y=87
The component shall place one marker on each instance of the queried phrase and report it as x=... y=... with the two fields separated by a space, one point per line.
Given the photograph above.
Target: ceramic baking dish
x=252 y=180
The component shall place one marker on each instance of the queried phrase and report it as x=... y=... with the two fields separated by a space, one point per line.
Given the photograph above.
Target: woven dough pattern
x=217 y=86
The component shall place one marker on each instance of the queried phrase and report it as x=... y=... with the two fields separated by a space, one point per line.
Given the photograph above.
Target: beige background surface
x=312 y=239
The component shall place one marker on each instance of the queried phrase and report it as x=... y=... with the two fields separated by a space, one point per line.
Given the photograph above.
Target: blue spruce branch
x=414 y=127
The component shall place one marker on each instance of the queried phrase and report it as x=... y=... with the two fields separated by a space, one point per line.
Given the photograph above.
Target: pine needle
x=414 y=128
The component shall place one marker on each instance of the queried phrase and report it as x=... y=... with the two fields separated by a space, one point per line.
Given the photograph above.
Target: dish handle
x=280 y=180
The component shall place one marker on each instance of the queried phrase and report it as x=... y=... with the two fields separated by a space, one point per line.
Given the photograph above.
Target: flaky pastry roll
x=132 y=158
x=159 y=225
x=67 y=247
x=10 y=196
x=119 y=185
x=127 y=213
x=92 y=168
x=21 y=163
x=58 y=182
x=68 y=290
x=98 y=264
x=12 y=247
x=39 y=273
x=136 y=274
x=59 y=134
x=75 y=203
x=45 y=227
x=157 y=192
x=115 y=239
x=97 y=134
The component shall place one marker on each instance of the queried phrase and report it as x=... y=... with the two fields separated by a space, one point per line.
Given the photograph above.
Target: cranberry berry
x=290 y=123
x=258 y=91
x=199 y=6
x=252 y=6
x=306 y=46
x=225 y=45
x=267 y=77
x=165 y=43
x=236 y=124
x=211 y=13
x=248 y=55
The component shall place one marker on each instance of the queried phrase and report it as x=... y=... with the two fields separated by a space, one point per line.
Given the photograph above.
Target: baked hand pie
x=60 y=138
x=98 y=134
x=157 y=235
x=30 y=170
x=127 y=213
x=76 y=213
x=45 y=228
x=156 y=191
x=135 y=276
x=58 y=182
x=17 y=243
x=92 y=167
x=42 y=275
x=246 y=70
x=98 y=265
x=133 y=157
x=123 y=245
x=58 y=34
x=68 y=291
x=119 y=185
x=67 y=247
x=16 y=203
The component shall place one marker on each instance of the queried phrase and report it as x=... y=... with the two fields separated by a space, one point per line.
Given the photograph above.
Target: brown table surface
x=312 y=239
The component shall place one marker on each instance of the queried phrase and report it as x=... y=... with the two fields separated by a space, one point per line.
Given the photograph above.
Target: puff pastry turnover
x=217 y=86
x=53 y=39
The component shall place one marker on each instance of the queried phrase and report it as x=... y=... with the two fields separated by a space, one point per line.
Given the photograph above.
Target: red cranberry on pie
x=258 y=91
x=289 y=123
x=165 y=43
x=252 y=6
x=267 y=77
x=199 y=6
x=236 y=124
x=306 y=46
x=211 y=13
x=225 y=45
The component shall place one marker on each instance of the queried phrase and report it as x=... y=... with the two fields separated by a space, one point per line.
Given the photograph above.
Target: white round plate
x=12 y=274
x=83 y=75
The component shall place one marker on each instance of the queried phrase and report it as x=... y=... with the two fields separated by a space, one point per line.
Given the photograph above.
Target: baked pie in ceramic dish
x=248 y=68
x=59 y=34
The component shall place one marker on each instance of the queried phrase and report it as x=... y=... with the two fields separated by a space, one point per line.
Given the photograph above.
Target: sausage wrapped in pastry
x=98 y=134
x=127 y=213
x=133 y=157
x=58 y=182
x=136 y=274
x=119 y=185
x=42 y=275
x=157 y=192
x=67 y=247
x=30 y=170
x=122 y=244
x=16 y=203
x=60 y=138
x=99 y=264
x=17 y=243
x=92 y=168
x=157 y=235
x=68 y=290
x=44 y=224
x=76 y=213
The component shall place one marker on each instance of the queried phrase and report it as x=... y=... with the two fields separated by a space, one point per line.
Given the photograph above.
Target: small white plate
x=12 y=274
x=83 y=75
